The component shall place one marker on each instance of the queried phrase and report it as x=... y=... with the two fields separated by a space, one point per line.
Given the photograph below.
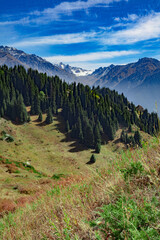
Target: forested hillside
x=48 y=188
x=92 y=116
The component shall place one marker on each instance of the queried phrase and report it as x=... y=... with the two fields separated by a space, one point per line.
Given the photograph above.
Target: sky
x=83 y=33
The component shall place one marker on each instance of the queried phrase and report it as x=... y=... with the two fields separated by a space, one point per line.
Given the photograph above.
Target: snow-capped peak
x=79 y=72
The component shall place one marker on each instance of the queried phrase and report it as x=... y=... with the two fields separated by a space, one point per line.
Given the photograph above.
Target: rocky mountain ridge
x=12 y=56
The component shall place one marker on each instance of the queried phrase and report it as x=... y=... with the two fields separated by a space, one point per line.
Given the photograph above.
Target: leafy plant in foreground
x=126 y=219
x=133 y=169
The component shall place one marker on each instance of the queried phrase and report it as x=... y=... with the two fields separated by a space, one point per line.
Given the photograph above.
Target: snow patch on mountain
x=79 y=72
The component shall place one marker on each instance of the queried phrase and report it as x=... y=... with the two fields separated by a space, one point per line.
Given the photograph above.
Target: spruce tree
x=49 y=118
x=130 y=129
x=89 y=137
x=32 y=108
x=98 y=148
x=79 y=130
x=40 y=117
x=20 y=109
x=29 y=118
x=132 y=141
x=1 y=112
x=97 y=139
x=137 y=138
x=67 y=126
x=97 y=135
x=122 y=136
x=37 y=105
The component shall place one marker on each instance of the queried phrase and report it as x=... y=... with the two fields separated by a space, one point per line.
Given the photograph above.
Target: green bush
x=134 y=169
x=57 y=176
x=126 y=219
x=7 y=137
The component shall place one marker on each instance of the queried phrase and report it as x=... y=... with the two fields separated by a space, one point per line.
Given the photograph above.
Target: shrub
x=57 y=176
x=7 y=137
x=126 y=219
x=133 y=169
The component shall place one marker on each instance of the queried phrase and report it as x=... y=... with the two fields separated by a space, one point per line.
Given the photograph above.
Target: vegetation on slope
x=117 y=197
x=91 y=115
x=119 y=202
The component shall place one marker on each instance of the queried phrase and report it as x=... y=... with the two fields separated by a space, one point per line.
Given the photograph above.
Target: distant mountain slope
x=12 y=56
x=130 y=75
x=139 y=81
x=100 y=72
x=9 y=60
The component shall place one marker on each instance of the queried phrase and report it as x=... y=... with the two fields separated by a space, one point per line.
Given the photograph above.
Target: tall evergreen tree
x=98 y=147
x=40 y=117
x=137 y=138
x=49 y=118
x=20 y=109
x=89 y=137
x=67 y=126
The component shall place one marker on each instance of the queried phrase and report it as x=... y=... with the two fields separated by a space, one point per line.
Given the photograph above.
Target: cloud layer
x=64 y=8
x=100 y=29
x=146 y=28
x=57 y=39
x=139 y=29
x=90 y=56
x=69 y=7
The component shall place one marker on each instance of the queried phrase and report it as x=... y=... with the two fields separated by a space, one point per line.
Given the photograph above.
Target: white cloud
x=130 y=17
x=139 y=29
x=57 y=39
x=22 y=21
x=89 y=56
x=64 y=8
x=145 y=28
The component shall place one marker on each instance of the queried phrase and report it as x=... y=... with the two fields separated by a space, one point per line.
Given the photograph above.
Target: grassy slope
x=46 y=148
x=64 y=205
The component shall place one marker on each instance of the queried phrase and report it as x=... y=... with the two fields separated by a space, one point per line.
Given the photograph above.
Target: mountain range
x=12 y=56
x=139 y=81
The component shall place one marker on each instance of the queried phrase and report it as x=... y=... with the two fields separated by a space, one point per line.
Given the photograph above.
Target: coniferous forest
x=90 y=115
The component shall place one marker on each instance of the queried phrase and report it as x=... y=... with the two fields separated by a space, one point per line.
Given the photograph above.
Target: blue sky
x=86 y=33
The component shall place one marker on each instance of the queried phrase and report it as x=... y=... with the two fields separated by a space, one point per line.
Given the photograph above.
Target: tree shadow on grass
x=93 y=151
x=90 y=163
x=17 y=123
x=117 y=141
x=75 y=145
x=36 y=120
x=41 y=124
